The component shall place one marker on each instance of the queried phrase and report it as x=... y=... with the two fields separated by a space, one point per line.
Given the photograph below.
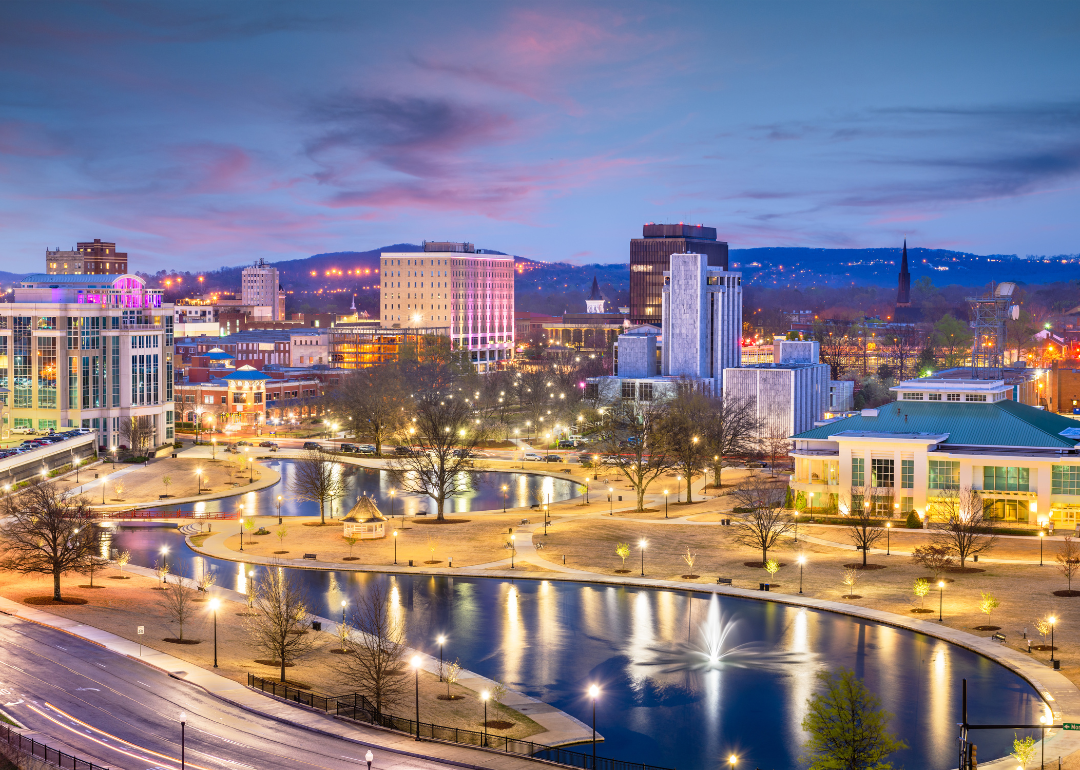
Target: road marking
x=16 y=703
x=81 y=689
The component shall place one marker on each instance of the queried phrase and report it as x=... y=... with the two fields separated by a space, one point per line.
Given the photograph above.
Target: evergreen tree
x=848 y=728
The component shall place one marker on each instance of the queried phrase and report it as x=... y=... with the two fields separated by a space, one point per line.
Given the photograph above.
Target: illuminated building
x=87 y=351
x=260 y=286
x=95 y=257
x=650 y=258
x=451 y=285
x=358 y=347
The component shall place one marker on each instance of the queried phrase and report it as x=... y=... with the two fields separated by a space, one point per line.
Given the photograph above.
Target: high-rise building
x=650 y=257
x=260 y=285
x=452 y=286
x=95 y=257
x=88 y=351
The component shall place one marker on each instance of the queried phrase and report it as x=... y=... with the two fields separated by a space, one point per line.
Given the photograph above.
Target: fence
x=358 y=708
x=154 y=513
x=50 y=755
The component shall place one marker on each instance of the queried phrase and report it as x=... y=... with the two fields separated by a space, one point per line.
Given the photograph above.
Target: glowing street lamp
x=416 y=672
x=941 y=598
x=665 y=503
x=802 y=563
x=214 y=604
x=594 y=693
x=279 y=509
x=641 y=545
x=484 y=697
x=441 y=640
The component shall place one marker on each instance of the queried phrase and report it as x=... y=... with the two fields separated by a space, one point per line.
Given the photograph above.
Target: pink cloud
x=27 y=140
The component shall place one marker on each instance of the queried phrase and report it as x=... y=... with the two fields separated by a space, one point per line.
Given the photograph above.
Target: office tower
x=95 y=257
x=259 y=285
x=650 y=257
x=452 y=286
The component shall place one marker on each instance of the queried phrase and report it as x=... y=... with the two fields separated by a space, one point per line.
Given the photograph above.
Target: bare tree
x=279 y=624
x=1068 y=561
x=449 y=429
x=372 y=403
x=375 y=657
x=93 y=565
x=636 y=444
x=775 y=443
x=138 y=433
x=961 y=524
x=317 y=478
x=935 y=558
x=861 y=527
x=728 y=428
x=179 y=602
x=44 y=532
x=683 y=419
x=762 y=517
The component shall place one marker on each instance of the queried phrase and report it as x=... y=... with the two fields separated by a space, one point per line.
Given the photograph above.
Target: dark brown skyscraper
x=650 y=256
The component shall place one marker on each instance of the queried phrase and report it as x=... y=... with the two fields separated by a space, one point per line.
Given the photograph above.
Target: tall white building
x=260 y=285
x=87 y=351
x=451 y=286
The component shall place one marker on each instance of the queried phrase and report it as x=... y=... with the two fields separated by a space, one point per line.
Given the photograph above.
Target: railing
x=358 y=708
x=154 y=513
x=39 y=750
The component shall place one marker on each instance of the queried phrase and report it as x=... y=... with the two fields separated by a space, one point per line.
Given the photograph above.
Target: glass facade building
x=650 y=256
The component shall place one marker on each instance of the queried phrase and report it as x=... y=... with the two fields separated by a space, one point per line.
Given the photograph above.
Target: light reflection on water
x=552 y=639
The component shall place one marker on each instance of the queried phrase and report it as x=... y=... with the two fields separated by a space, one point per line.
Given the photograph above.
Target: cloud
x=28 y=140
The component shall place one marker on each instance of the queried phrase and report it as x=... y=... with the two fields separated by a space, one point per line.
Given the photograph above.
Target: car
x=273 y=447
x=348 y=448
x=610 y=460
x=403 y=450
x=267 y=443
x=243 y=443
x=553 y=459
x=532 y=457
x=312 y=445
x=366 y=449
x=22 y=431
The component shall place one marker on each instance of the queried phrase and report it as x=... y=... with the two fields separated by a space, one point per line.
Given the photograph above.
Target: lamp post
x=594 y=693
x=183 y=724
x=392 y=493
x=796 y=525
x=888 y=536
x=678 y=489
x=251 y=470
x=610 y=497
x=102 y=491
x=811 y=507
x=395 y=546
x=595 y=466
x=214 y=604
x=279 y=509
x=1053 y=622
x=213 y=448
x=198 y=474
x=112 y=450
x=941 y=599
x=343 y=604
x=369 y=758
x=641 y=545
x=732 y=760
x=513 y=549
x=484 y=697
x=802 y=563
x=504 y=498
x=546 y=520
x=1042 y=534
x=416 y=672
x=164 y=553
x=665 y=503
x=441 y=640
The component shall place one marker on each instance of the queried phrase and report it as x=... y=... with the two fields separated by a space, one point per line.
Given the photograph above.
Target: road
x=112 y=710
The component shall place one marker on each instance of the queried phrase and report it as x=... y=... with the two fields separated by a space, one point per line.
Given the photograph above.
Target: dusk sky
x=203 y=134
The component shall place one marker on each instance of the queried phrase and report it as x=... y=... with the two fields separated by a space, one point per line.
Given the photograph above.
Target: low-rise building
x=938 y=437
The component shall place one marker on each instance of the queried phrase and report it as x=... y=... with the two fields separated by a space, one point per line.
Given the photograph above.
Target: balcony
x=141 y=327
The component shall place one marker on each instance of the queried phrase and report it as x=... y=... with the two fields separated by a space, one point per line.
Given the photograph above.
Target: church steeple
x=596 y=301
x=903 y=292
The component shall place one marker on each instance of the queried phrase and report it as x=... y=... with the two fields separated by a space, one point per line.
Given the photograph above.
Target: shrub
x=913 y=521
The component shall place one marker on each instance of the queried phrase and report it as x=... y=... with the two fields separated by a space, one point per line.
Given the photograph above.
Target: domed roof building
x=364 y=520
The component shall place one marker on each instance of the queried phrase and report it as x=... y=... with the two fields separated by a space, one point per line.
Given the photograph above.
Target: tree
x=851 y=577
x=682 y=421
x=178 y=600
x=122 y=560
x=452 y=674
x=848 y=728
x=449 y=430
x=775 y=443
x=729 y=428
x=372 y=402
x=636 y=444
x=280 y=621
x=861 y=527
x=281 y=532
x=987 y=604
x=962 y=525
x=921 y=589
x=344 y=635
x=690 y=557
x=1068 y=560
x=118 y=490
x=93 y=566
x=902 y=345
x=935 y=558
x=317 y=479
x=44 y=532
x=952 y=341
x=1042 y=627
x=166 y=481
x=622 y=550
x=206 y=581
x=1023 y=749
x=138 y=434
x=351 y=541
x=772 y=566
x=763 y=521
x=375 y=661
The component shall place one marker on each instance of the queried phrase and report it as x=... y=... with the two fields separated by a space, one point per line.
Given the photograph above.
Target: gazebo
x=364 y=520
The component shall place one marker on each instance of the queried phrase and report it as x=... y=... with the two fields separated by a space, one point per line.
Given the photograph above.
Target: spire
x=353 y=308
x=595 y=293
x=596 y=301
x=903 y=291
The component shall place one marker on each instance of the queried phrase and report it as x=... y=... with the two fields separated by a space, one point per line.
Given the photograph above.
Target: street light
x=241 y=527
x=484 y=697
x=1053 y=621
x=594 y=693
x=343 y=603
x=183 y=724
x=888 y=541
x=416 y=671
x=198 y=473
x=802 y=563
x=1041 y=536
x=395 y=546
x=213 y=448
x=369 y=757
x=214 y=604
x=610 y=496
x=279 y=509
x=641 y=544
x=941 y=598
x=811 y=507
x=504 y=498
x=441 y=640
x=513 y=549
x=665 y=503
x=732 y=760
x=392 y=493
x=251 y=470
x=164 y=552
x=678 y=489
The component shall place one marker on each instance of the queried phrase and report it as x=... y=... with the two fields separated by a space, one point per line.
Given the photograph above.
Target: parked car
x=366 y=449
x=532 y=457
x=243 y=443
x=267 y=443
x=312 y=445
x=403 y=450
x=348 y=448
x=610 y=460
x=553 y=459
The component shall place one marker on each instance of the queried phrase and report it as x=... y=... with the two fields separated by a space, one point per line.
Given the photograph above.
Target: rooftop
x=246 y=374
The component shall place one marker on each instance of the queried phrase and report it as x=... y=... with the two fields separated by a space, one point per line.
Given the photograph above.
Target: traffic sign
x=1070 y=726
x=140 y=630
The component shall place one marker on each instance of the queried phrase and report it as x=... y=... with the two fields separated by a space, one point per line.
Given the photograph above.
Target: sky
x=197 y=135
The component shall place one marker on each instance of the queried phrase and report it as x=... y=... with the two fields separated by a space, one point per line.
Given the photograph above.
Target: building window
x=22 y=374
x=943 y=474
x=907 y=505
x=881 y=473
x=858 y=472
x=952 y=397
x=933 y=397
x=1005 y=479
x=645 y=391
x=975 y=397
x=47 y=372
x=1007 y=510
x=907 y=474
x=628 y=390
x=913 y=396
x=1065 y=479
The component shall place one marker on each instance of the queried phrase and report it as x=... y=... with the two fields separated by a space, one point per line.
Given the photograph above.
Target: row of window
x=970 y=397
x=945 y=474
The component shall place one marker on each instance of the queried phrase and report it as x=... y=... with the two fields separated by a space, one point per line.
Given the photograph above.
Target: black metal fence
x=39 y=750
x=358 y=708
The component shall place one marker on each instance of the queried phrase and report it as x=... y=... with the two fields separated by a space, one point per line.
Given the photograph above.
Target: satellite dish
x=1014 y=312
x=1005 y=289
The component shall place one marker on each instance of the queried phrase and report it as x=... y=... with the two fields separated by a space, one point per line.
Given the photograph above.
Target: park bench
x=999 y=637
x=539 y=546
x=723 y=581
x=309 y=556
x=524 y=521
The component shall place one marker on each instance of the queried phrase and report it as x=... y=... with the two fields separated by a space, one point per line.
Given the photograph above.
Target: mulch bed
x=933 y=580
x=1066 y=593
x=275 y=664
x=444 y=521
x=119 y=577
x=861 y=566
x=987 y=628
x=1043 y=647
x=347 y=558
x=336 y=651
x=317 y=524
x=760 y=564
x=499 y=724
x=276 y=553
x=182 y=641
x=246 y=614
x=921 y=610
x=90 y=586
x=622 y=572
x=433 y=561
x=851 y=596
x=450 y=697
x=965 y=570
x=48 y=601
x=690 y=577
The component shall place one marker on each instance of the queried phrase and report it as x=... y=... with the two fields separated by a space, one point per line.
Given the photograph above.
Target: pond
x=685 y=679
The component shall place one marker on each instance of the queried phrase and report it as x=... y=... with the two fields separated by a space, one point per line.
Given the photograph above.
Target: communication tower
x=988 y=315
